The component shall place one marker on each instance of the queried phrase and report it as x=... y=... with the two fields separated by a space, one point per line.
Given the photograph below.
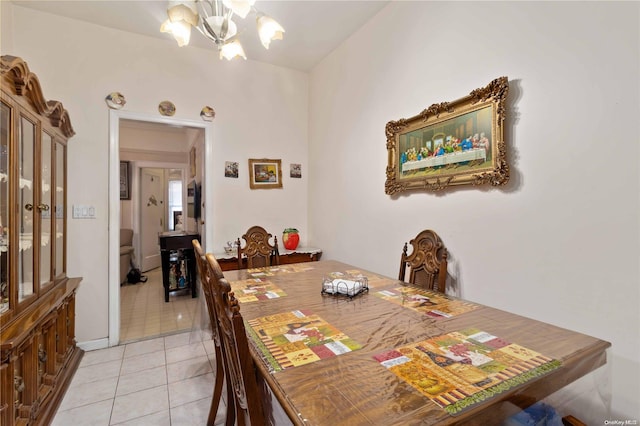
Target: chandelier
x=212 y=18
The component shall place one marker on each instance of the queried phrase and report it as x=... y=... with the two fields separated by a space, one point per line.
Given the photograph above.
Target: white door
x=152 y=214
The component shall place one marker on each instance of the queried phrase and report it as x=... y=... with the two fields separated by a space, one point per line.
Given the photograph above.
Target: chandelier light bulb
x=180 y=30
x=181 y=18
x=231 y=50
x=183 y=12
x=239 y=7
x=268 y=29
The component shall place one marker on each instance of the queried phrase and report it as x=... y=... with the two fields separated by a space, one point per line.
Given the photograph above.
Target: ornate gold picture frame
x=265 y=173
x=450 y=143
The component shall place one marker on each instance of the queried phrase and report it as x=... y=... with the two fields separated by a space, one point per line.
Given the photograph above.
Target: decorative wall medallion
x=208 y=113
x=167 y=108
x=115 y=100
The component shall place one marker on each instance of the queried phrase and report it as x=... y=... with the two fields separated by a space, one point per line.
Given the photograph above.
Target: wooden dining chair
x=205 y=281
x=248 y=400
x=258 y=251
x=427 y=262
x=572 y=421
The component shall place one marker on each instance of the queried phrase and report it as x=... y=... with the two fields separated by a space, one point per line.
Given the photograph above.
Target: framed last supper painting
x=450 y=143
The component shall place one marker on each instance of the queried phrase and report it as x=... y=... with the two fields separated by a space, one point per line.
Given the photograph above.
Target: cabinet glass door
x=59 y=209
x=5 y=120
x=26 y=145
x=44 y=209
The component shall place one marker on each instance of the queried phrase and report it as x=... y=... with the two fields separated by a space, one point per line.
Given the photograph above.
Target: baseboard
x=93 y=345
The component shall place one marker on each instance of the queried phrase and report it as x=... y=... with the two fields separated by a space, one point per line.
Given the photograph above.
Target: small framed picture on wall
x=231 y=169
x=265 y=173
x=296 y=170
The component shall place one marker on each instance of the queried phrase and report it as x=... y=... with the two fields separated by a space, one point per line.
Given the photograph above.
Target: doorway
x=115 y=120
x=160 y=209
x=152 y=216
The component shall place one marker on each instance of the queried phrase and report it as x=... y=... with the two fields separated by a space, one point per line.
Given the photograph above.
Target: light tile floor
x=165 y=381
x=145 y=314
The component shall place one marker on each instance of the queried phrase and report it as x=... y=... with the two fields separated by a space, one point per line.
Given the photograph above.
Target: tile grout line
x=115 y=392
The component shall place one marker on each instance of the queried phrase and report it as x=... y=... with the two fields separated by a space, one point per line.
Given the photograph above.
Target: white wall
x=6 y=24
x=559 y=243
x=261 y=112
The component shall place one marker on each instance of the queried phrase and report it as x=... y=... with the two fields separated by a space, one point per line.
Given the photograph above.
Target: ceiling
x=312 y=28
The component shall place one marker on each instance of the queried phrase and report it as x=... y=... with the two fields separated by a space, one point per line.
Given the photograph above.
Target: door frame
x=114 y=201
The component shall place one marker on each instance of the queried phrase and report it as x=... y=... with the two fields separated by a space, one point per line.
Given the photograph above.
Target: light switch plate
x=81 y=211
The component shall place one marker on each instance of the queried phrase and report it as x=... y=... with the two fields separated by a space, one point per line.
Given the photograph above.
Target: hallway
x=144 y=313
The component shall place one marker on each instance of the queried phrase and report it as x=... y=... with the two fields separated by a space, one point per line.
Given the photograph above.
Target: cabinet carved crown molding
x=27 y=84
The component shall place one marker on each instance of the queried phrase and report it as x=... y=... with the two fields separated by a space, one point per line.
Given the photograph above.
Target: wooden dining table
x=353 y=386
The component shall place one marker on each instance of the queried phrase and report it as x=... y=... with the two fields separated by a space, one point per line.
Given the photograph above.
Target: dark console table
x=178 y=262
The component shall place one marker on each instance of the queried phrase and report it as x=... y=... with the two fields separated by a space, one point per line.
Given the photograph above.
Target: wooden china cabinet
x=38 y=352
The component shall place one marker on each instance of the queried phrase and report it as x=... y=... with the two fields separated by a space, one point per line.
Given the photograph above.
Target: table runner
x=461 y=369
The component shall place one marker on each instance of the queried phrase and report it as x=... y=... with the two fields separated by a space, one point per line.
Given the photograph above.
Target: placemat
x=433 y=304
x=373 y=279
x=461 y=369
x=295 y=338
x=270 y=271
x=255 y=289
